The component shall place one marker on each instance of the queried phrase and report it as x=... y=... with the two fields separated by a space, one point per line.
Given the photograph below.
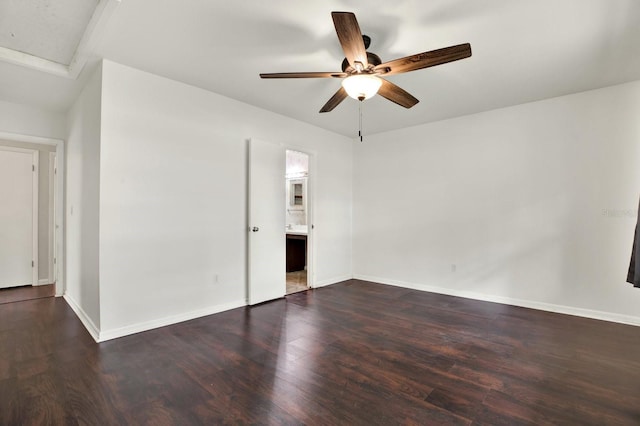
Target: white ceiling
x=48 y=29
x=523 y=50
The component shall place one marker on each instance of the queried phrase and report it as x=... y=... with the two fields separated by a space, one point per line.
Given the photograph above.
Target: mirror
x=296 y=193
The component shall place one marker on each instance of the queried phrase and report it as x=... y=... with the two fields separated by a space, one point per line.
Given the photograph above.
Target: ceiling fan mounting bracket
x=373 y=60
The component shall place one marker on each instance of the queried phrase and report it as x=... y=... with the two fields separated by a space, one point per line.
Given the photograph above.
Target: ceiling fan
x=361 y=70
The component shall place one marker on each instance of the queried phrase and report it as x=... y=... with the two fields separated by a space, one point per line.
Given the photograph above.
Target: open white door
x=266 y=269
x=17 y=217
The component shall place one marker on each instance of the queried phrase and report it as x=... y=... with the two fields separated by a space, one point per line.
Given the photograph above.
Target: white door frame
x=52 y=217
x=35 y=157
x=311 y=197
x=59 y=200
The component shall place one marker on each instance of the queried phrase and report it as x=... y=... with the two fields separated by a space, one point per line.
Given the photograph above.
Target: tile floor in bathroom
x=296 y=281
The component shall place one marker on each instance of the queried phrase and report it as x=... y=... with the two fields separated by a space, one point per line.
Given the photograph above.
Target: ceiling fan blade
x=304 y=75
x=396 y=94
x=425 y=59
x=338 y=97
x=350 y=38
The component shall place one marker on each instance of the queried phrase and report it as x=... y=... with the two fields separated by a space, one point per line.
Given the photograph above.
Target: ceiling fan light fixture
x=361 y=86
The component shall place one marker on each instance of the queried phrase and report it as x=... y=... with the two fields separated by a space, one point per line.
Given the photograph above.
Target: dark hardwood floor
x=353 y=353
x=27 y=292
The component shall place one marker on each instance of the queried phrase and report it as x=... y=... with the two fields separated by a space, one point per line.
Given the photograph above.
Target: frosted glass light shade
x=361 y=86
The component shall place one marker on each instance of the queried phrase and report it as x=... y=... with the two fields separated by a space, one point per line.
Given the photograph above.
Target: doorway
x=279 y=211
x=298 y=224
x=46 y=192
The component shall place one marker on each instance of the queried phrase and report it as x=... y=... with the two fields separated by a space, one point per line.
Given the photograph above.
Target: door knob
x=255 y=229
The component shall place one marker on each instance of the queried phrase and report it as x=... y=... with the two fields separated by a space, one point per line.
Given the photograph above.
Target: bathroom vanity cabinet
x=296 y=252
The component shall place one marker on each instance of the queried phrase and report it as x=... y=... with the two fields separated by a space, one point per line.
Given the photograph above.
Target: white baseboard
x=84 y=318
x=549 y=307
x=44 y=281
x=331 y=281
x=162 y=322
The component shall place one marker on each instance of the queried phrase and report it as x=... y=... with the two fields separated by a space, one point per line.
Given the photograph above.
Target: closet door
x=17 y=176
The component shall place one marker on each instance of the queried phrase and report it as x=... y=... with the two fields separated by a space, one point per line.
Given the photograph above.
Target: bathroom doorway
x=298 y=225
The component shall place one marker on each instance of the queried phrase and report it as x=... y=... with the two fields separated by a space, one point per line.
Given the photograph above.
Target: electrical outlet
x=454 y=267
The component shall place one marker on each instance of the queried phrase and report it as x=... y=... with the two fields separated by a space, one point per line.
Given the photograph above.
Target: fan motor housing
x=372 y=58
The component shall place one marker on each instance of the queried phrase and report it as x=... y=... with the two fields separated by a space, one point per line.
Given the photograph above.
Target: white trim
x=60 y=249
x=312 y=179
x=29 y=61
x=59 y=144
x=17 y=137
x=542 y=306
x=36 y=212
x=16 y=149
x=332 y=281
x=44 y=281
x=170 y=320
x=84 y=318
x=310 y=203
x=52 y=215
x=95 y=27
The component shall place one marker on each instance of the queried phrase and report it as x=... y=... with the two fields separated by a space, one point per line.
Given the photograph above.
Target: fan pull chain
x=360 y=120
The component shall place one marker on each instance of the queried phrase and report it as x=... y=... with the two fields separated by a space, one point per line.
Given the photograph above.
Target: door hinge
x=33 y=264
x=54 y=260
x=33 y=167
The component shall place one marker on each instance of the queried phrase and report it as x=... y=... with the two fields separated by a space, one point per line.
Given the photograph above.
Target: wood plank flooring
x=27 y=292
x=354 y=353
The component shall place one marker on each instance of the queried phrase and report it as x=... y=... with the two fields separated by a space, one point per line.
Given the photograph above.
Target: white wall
x=173 y=198
x=26 y=120
x=82 y=204
x=534 y=204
